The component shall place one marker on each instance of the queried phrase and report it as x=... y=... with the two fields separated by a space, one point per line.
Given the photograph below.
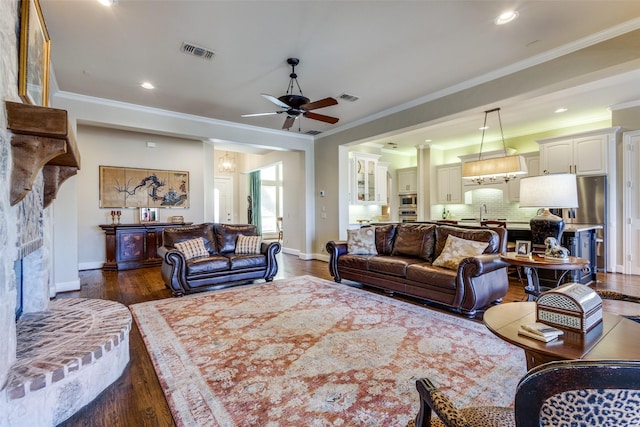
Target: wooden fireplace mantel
x=41 y=139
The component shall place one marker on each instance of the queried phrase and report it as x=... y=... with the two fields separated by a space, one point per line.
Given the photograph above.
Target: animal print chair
x=558 y=394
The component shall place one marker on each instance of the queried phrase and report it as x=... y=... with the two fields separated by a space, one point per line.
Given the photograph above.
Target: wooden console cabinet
x=131 y=246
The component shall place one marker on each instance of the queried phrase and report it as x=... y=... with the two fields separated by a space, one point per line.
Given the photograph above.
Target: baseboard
x=322 y=257
x=73 y=285
x=95 y=265
x=305 y=256
x=290 y=251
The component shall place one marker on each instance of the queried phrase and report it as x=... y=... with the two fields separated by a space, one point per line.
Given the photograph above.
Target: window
x=271 y=193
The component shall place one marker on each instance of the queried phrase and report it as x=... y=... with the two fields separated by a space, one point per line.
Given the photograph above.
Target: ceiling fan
x=294 y=105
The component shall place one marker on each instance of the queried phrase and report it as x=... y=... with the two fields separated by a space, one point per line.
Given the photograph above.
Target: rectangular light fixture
x=503 y=168
x=497 y=168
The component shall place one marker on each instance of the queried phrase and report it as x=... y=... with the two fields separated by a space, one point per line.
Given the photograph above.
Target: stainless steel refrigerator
x=592 y=203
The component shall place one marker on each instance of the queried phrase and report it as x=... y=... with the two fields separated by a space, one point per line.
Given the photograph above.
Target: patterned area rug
x=309 y=352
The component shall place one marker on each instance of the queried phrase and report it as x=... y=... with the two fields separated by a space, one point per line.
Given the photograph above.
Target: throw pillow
x=415 y=241
x=457 y=249
x=192 y=248
x=362 y=241
x=248 y=244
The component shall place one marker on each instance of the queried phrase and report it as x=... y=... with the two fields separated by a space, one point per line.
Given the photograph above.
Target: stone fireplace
x=60 y=354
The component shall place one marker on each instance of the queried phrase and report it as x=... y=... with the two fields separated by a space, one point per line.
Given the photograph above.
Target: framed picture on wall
x=33 y=75
x=143 y=188
x=149 y=215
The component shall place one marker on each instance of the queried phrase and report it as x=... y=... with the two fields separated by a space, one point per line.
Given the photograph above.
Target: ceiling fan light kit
x=296 y=105
x=494 y=169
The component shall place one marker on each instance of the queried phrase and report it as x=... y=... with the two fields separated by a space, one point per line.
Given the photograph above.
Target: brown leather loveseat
x=218 y=260
x=405 y=258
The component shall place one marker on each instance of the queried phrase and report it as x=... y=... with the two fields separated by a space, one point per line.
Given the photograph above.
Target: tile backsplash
x=497 y=207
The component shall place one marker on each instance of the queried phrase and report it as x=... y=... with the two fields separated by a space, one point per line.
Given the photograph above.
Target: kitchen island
x=580 y=239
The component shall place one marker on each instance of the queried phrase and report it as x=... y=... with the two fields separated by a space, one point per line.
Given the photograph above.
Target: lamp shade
x=496 y=167
x=549 y=191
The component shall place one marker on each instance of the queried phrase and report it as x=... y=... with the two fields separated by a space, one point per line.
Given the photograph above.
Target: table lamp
x=548 y=192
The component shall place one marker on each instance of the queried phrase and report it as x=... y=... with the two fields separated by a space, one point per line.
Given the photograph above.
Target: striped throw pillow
x=248 y=244
x=193 y=248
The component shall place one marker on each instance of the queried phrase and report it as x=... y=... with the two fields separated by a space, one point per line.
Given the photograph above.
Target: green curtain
x=255 y=188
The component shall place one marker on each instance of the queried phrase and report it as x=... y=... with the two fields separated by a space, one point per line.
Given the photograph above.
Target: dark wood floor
x=136 y=398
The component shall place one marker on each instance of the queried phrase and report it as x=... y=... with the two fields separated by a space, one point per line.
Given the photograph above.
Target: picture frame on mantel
x=35 y=45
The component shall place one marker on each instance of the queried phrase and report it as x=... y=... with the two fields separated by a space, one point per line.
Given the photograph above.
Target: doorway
x=631 y=203
x=272 y=199
x=223 y=211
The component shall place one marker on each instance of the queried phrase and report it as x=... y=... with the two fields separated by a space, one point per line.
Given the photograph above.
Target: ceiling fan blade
x=321 y=103
x=321 y=117
x=288 y=122
x=276 y=101
x=262 y=114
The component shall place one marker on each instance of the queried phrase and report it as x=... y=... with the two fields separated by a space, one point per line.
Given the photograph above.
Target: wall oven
x=407 y=215
x=408 y=200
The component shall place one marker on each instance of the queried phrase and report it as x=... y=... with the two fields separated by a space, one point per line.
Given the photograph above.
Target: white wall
x=111 y=147
x=65 y=224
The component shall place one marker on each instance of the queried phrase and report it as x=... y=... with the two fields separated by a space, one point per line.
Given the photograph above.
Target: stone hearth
x=66 y=356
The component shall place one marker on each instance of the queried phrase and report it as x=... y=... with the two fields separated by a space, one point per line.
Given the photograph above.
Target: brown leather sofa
x=222 y=267
x=404 y=265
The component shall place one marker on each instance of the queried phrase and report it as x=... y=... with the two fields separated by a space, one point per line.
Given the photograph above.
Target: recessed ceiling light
x=560 y=110
x=428 y=140
x=108 y=3
x=483 y=128
x=506 y=17
x=147 y=85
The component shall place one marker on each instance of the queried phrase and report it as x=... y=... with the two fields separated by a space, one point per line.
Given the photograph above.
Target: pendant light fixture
x=227 y=163
x=503 y=168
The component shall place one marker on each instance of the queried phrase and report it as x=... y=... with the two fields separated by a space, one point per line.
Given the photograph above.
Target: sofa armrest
x=174 y=270
x=162 y=251
x=482 y=280
x=270 y=250
x=481 y=264
x=335 y=248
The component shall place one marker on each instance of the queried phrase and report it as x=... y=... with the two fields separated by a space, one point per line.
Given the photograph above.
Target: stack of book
x=540 y=331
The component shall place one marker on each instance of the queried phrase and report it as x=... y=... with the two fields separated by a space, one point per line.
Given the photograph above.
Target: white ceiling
x=388 y=53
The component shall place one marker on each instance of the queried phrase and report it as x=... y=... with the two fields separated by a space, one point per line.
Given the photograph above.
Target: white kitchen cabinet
x=365 y=168
x=382 y=189
x=586 y=153
x=533 y=169
x=407 y=180
x=449 y=182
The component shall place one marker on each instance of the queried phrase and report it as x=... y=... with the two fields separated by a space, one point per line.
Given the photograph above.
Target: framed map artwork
x=143 y=188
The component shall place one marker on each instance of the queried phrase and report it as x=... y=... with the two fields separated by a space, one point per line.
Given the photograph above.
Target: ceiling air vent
x=195 y=50
x=313 y=132
x=350 y=98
